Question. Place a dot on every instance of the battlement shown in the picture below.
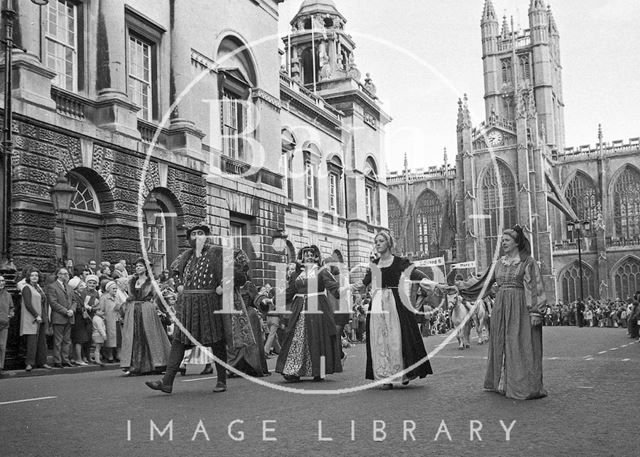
(420, 174)
(615, 146)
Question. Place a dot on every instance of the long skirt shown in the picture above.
(311, 346)
(145, 345)
(515, 349)
(250, 358)
(394, 342)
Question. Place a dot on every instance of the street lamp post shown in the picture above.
(61, 194)
(578, 226)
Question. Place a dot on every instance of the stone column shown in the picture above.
(114, 110)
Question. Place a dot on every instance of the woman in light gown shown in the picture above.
(514, 366)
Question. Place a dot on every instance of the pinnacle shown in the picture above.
(489, 13)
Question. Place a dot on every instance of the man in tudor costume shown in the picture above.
(199, 271)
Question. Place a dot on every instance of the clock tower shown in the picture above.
(504, 164)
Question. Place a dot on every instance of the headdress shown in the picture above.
(199, 226)
(313, 248)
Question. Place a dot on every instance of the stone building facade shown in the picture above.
(514, 168)
(164, 114)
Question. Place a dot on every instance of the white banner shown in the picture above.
(435, 262)
(463, 265)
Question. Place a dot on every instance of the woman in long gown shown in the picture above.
(393, 337)
(311, 333)
(515, 341)
(145, 345)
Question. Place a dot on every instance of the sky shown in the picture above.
(425, 54)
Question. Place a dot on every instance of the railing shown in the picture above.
(148, 130)
(318, 101)
(70, 104)
(233, 166)
(622, 242)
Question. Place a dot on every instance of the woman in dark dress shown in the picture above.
(393, 337)
(311, 333)
(145, 345)
(246, 353)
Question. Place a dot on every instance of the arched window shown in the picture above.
(626, 204)
(428, 219)
(160, 238)
(627, 278)
(396, 222)
(85, 198)
(498, 200)
(336, 199)
(371, 194)
(581, 194)
(570, 282)
(236, 79)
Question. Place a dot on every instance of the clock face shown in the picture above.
(495, 138)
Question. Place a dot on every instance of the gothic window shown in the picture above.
(498, 200)
(396, 221)
(506, 70)
(627, 278)
(61, 42)
(428, 218)
(626, 204)
(85, 198)
(581, 194)
(570, 283)
(525, 68)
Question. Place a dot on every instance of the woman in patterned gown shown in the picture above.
(514, 366)
(145, 345)
(311, 347)
(393, 337)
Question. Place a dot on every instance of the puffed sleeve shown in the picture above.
(534, 294)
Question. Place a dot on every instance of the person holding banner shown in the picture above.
(312, 346)
(393, 338)
(515, 342)
(198, 273)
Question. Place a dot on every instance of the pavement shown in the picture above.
(592, 375)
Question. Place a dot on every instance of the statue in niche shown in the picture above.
(340, 63)
(598, 224)
(325, 66)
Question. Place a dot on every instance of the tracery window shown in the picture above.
(396, 222)
(626, 204)
(506, 71)
(498, 199)
(582, 196)
(570, 283)
(428, 217)
(627, 278)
